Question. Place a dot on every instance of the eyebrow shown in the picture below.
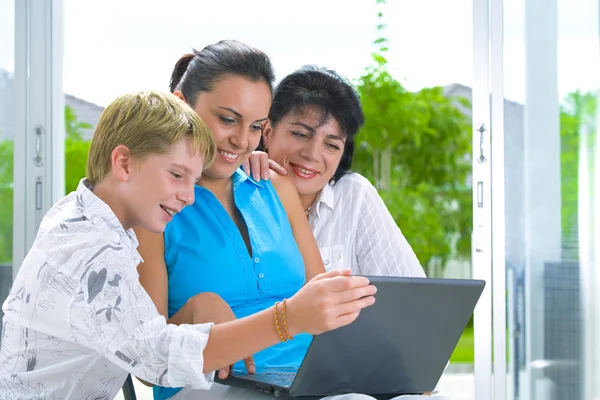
(313, 131)
(182, 167)
(237, 114)
(186, 170)
(231, 110)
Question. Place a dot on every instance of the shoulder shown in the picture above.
(355, 196)
(65, 218)
(283, 185)
(69, 257)
(354, 180)
(352, 187)
(73, 235)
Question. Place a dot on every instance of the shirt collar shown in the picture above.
(239, 176)
(326, 197)
(99, 213)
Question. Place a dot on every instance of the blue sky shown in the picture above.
(116, 46)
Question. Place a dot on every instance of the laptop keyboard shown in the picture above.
(284, 379)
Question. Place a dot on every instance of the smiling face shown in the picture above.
(235, 110)
(160, 185)
(309, 148)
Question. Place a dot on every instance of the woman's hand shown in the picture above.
(328, 301)
(258, 164)
(210, 307)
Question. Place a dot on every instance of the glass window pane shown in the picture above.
(552, 59)
(6, 144)
(429, 57)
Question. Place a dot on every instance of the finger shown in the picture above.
(264, 166)
(331, 274)
(250, 367)
(354, 306)
(246, 167)
(255, 165)
(277, 168)
(342, 283)
(346, 319)
(355, 293)
(223, 373)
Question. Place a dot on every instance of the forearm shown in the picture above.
(179, 356)
(158, 354)
(232, 341)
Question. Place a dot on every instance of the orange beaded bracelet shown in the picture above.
(285, 328)
(277, 322)
(284, 319)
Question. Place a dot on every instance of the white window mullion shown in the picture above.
(39, 118)
(481, 239)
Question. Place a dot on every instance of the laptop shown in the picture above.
(398, 346)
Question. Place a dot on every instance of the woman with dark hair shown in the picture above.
(242, 247)
(314, 118)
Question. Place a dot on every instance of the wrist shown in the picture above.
(293, 325)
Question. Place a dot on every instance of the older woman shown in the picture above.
(314, 118)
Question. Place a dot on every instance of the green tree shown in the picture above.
(76, 153)
(73, 126)
(415, 147)
(6, 200)
(577, 117)
(76, 149)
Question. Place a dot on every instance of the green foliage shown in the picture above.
(6, 200)
(415, 147)
(76, 153)
(463, 352)
(73, 127)
(577, 117)
(76, 149)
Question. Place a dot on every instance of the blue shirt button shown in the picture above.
(256, 260)
(261, 275)
(262, 292)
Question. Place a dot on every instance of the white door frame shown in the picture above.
(488, 244)
(498, 201)
(481, 239)
(39, 118)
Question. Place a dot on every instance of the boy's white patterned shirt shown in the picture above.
(77, 320)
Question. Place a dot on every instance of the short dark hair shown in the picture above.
(313, 88)
(201, 70)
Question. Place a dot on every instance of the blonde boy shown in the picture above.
(77, 320)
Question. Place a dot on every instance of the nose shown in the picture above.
(311, 151)
(240, 138)
(186, 195)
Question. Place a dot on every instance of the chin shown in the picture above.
(306, 190)
(222, 172)
(156, 228)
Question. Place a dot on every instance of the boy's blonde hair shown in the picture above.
(147, 122)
